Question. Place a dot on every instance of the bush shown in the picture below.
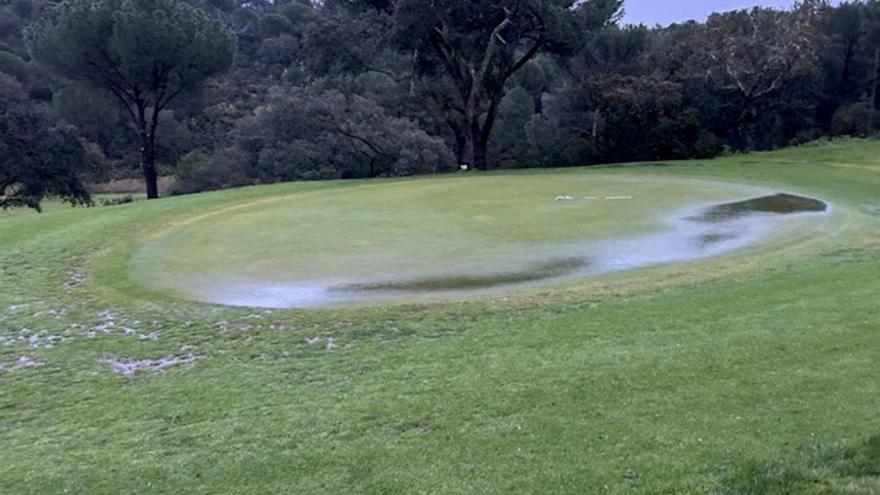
(14, 66)
(418, 153)
(121, 200)
(316, 136)
(280, 49)
(198, 171)
(856, 119)
(708, 145)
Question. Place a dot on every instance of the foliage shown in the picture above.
(477, 47)
(461, 73)
(856, 119)
(145, 52)
(38, 157)
(306, 136)
(118, 200)
(754, 53)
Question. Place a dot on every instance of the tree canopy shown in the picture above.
(38, 157)
(144, 52)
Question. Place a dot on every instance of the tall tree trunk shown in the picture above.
(467, 153)
(847, 65)
(471, 125)
(481, 138)
(148, 162)
(147, 132)
(876, 89)
(480, 155)
(460, 143)
(475, 154)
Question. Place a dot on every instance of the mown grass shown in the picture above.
(441, 229)
(754, 372)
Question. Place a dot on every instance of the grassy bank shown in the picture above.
(754, 372)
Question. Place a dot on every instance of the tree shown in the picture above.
(37, 157)
(304, 135)
(145, 52)
(753, 53)
(301, 132)
(872, 38)
(843, 27)
(843, 62)
(478, 46)
(613, 50)
(635, 118)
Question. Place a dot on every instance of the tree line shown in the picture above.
(222, 93)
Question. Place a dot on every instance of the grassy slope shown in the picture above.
(750, 373)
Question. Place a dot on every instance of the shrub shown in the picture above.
(198, 171)
(14, 66)
(856, 119)
(120, 200)
(316, 136)
(708, 145)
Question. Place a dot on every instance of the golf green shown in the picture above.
(450, 236)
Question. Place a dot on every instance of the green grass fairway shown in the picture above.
(752, 372)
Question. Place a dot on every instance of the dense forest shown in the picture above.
(366, 88)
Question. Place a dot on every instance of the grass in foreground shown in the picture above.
(750, 373)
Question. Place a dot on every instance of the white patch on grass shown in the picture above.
(21, 362)
(329, 343)
(76, 278)
(149, 336)
(129, 368)
(106, 323)
(34, 340)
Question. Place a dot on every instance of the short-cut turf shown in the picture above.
(464, 228)
(753, 372)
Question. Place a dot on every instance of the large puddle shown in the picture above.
(695, 232)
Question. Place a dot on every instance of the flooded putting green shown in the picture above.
(452, 237)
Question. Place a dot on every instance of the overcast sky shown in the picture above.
(667, 11)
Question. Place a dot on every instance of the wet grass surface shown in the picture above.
(445, 234)
(750, 373)
(458, 235)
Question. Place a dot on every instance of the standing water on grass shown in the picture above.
(700, 232)
(697, 232)
(450, 239)
(694, 233)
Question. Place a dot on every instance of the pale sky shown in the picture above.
(665, 12)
